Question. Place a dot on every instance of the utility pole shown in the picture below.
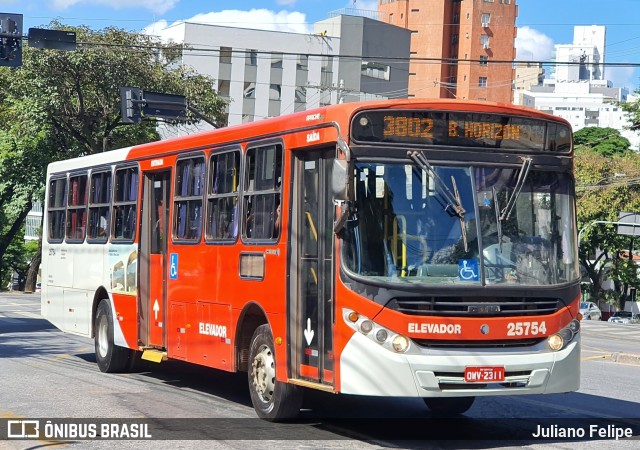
(340, 89)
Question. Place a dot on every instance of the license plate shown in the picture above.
(483, 374)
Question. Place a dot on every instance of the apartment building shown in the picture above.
(579, 92)
(271, 73)
(459, 49)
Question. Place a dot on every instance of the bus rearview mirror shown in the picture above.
(339, 180)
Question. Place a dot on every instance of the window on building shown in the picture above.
(303, 62)
(455, 18)
(485, 19)
(484, 40)
(262, 189)
(482, 82)
(223, 88)
(252, 57)
(454, 38)
(276, 60)
(225, 55)
(99, 207)
(249, 90)
(125, 204)
(187, 199)
(222, 196)
(77, 208)
(484, 60)
(505, 2)
(301, 94)
(376, 70)
(488, 1)
(275, 91)
(56, 209)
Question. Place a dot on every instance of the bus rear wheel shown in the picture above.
(110, 357)
(272, 399)
(449, 405)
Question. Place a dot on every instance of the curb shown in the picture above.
(626, 358)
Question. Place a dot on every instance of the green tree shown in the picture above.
(633, 113)
(606, 186)
(61, 105)
(606, 141)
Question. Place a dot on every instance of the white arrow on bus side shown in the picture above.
(156, 308)
(308, 332)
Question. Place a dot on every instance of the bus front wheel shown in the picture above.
(110, 357)
(449, 405)
(272, 399)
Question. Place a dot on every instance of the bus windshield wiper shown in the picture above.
(522, 177)
(496, 207)
(454, 204)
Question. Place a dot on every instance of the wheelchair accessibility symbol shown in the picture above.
(468, 269)
(173, 266)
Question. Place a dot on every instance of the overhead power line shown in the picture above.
(410, 59)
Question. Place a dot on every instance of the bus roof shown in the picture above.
(339, 114)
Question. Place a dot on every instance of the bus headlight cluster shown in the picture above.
(563, 337)
(377, 333)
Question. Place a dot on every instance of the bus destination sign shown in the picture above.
(456, 129)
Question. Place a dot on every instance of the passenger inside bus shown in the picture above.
(276, 222)
(102, 228)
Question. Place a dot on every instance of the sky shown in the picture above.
(541, 23)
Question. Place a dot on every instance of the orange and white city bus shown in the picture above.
(405, 248)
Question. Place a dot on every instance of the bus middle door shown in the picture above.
(154, 264)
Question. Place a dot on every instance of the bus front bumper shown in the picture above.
(369, 369)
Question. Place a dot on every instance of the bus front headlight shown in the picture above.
(562, 338)
(377, 333)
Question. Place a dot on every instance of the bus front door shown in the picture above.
(312, 289)
(153, 260)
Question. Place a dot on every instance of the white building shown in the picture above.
(586, 53)
(33, 222)
(271, 73)
(578, 91)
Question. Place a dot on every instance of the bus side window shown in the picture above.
(99, 207)
(56, 209)
(125, 203)
(77, 208)
(188, 192)
(262, 190)
(222, 196)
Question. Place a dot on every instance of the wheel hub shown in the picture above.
(102, 336)
(263, 373)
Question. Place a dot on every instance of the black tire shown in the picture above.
(448, 406)
(272, 399)
(110, 357)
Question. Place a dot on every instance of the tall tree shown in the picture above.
(61, 105)
(606, 141)
(606, 186)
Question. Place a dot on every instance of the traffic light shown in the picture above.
(10, 40)
(130, 104)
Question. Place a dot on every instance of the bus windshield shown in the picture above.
(447, 225)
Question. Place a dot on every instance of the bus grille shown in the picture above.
(475, 307)
(427, 343)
